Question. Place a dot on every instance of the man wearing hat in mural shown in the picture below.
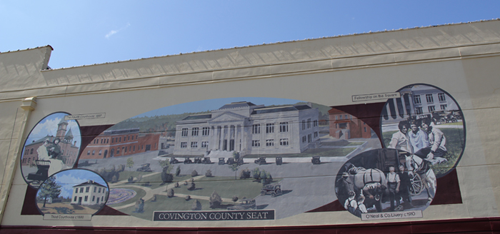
(393, 182)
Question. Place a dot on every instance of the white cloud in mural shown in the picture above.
(67, 182)
(47, 127)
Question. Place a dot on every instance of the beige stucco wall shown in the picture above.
(461, 59)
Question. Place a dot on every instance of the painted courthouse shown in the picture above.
(460, 64)
(89, 193)
(248, 129)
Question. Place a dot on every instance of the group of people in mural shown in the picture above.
(419, 137)
(51, 151)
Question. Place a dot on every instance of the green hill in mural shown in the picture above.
(151, 124)
(166, 123)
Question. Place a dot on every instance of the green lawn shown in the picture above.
(455, 142)
(226, 187)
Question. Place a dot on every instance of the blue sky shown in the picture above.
(89, 32)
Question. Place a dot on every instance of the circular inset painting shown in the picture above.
(385, 180)
(428, 122)
(52, 145)
(75, 191)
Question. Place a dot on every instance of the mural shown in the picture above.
(249, 158)
(73, 191)
(52, 145)
(425, 121)
(221, 155)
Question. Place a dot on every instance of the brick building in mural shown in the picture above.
(346, 126)
(115, 143)
(69, 150)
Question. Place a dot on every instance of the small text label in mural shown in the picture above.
(86, 116)
(79, 217)
(392, 215)
(374, 96)
(213, 215)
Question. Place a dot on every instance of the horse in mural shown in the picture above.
(371, 183)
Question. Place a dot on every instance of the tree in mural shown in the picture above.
(256, 174)
(50, 188)
(234, 167)
(164, 163)
(130, 163)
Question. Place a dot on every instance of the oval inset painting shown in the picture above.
(52, 145)
(428, 122)
(74, 191)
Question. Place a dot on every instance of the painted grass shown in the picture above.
(455, 143)
(226, 187)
